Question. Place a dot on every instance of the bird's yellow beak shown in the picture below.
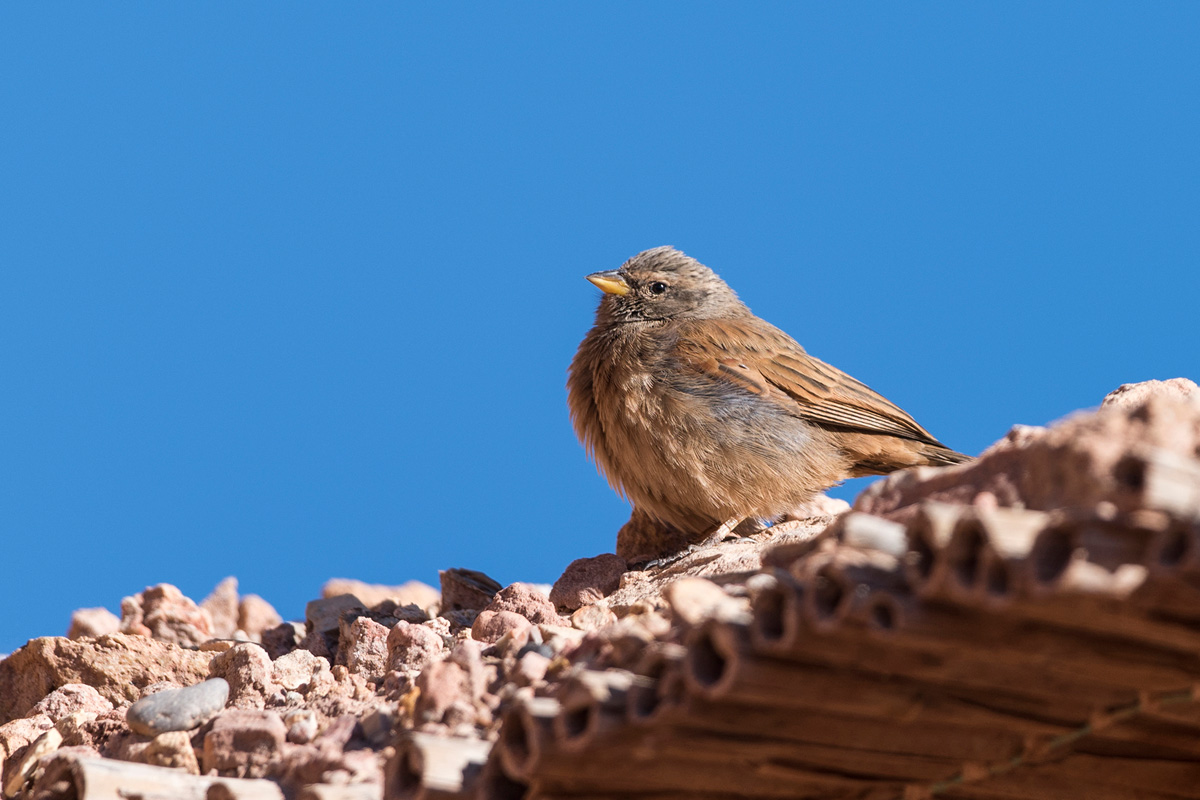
(610, 282)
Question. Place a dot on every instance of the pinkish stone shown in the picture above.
(491, 626)
(1129, 395)
(530, 669)
(93, 622)
(323, 618)
(593, 617)
(587, 580)
(116, 665)
(172, 749)
(372, 594)
(301, 725)
(256, 616)
(248, 669)
(17, 734)
(222, 606)
(820, 506)
(70, 698)
(98, 733)
(412, 647)
(301, 671)
(244, 744)
(163, 612)
(521, 598)
(283, 638)
(468, 654)
(466, 590)
(362, 647)
(441, 685)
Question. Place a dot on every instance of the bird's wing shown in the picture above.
(765, 361)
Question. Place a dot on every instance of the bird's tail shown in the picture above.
(939, 455)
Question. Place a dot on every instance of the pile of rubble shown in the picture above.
(1025, 625)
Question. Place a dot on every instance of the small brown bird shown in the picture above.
(702, 414)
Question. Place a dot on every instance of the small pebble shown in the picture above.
(178, 709)
(301, 725)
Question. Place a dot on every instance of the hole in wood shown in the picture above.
(403, 773)
(883, 613)
(769, 608)
(920, 553)
(498, 786)
(1175, 547)
(515, 736)
(996, 578)
(1130, 472)
(829, 593)
(1051, 554)
(644, 701)
(966, 551)
(575, 722)
(646, 696)
(706, 662)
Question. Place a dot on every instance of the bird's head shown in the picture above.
(662, 284)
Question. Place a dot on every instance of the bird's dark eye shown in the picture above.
(658, 287)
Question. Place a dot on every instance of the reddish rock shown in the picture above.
(248, 669)
(421, 595)
(324, 762)
(820, 506)
(521, 598)
(587, 580)
(301, 725)
(73, 726)
(1129, 395)
(468, 654)
(491, 626)
(340, 731)
(256, 616)
(323, 618)
(244, 744)
(16, 735)
(99, 733)
(466, 590)
(451, 691)
(378, 725)
(117, 666)
(362, 647)
(69, 699)
(171, 749)
(283, 638)
(93, 622)
(301, 671)
(692, 600)
(222, 607)
(441, 685)
(593, 617)
(412, 647)
(163, 612)
(530, 669)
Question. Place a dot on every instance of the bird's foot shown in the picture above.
(666, 561)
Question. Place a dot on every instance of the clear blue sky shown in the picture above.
(289, 290)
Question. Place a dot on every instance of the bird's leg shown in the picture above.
(726, 530)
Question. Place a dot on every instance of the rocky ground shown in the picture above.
(222, 698)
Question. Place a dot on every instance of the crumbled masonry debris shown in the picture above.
(1026, 625)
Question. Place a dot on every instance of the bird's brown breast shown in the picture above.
(690, 450)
